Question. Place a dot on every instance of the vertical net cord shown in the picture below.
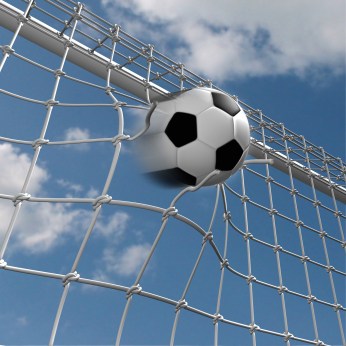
(104, 198)
(223, 265)
(277, 246)
(38, 144)
(8, 49)
(150, 59)
(337, 212)
(248, 253)
(298, 226)
(182, 302)
(135, 288)
(182, 76)
(324, 243)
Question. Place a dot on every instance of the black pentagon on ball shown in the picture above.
(173, 177)
(228, 155)
(182, 129)
(226, 103)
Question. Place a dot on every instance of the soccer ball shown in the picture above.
(193, 133)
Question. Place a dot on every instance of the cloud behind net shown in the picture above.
(231, 39)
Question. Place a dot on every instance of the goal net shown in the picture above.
(93, 252)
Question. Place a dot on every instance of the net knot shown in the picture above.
(59, 73)
(217, 318)
(305, 259)
(320, 343)
(269, 179)
(208, 237)
(227, 216)
(6, 49)
(182, 304)
(70, 277)
(336, 306)
(289, 163)
(114, 33)
(146, 84)
(311, 298)
(110, 66)
(250, 279)
(287, 336)
(294, 192)
(277, 248)
(136, 289)
(21, 18)
(39, 142)
(3, 264)
(248, 236)
(68, 44)
(330, 269)
(101, 200)
(337, 213)
(117, 139)
(20, 197)
(323, 234)
(171, 211)
(51, 102)
(253, 328)
(299, 223)
(118, 104)
(272, 212)
(77, 16)
(224, 263)
(245, 199)
(282, 289)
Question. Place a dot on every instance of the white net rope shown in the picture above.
(273, 242)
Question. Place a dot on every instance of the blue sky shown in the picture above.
(287, 60)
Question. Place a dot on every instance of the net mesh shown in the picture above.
(242, 261)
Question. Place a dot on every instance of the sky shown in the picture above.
(286, 59)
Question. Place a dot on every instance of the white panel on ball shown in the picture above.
(196, 158)
(194, 101)
(215, 127)
(241, 130)
(157, 152)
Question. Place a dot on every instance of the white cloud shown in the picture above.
(114, 227)
(231, 39)
(92, 193)
(70, 186)
(39, 227)
(126, 262)
(75, 134)
(14, 166)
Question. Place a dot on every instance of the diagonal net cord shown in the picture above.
(300, 234)
(251, 278)
(325, 248)
(268, 181)
(182, 303)
(8, 49)
(136, 288)
(39, 142)
(104, 198)
(218, 315)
